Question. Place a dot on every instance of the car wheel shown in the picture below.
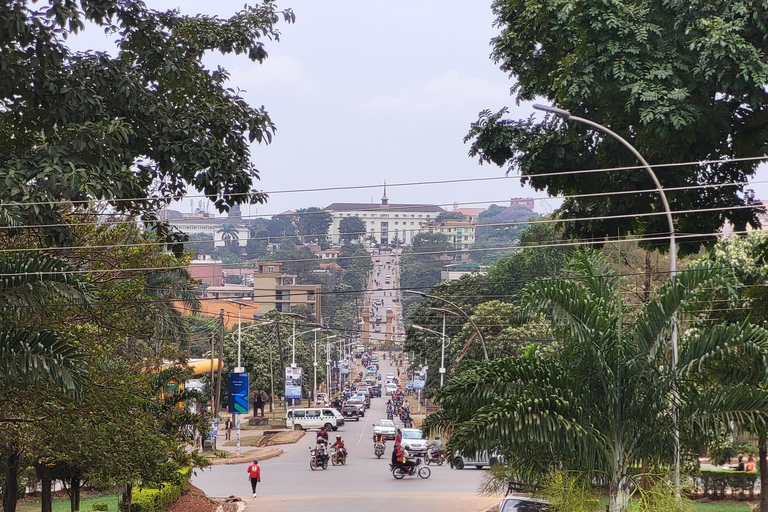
(458, 463)
(328, 427)
(297, 427)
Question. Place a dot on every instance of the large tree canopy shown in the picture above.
(148, 122)
(683, 81)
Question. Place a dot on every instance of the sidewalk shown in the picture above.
(248, 453)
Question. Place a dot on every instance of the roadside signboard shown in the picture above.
(238, 393)
(293, 383)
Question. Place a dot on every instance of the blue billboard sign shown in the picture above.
(238, 393)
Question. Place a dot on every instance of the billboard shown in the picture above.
(238, 393)
(293, 383)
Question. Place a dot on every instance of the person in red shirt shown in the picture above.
(254, 474)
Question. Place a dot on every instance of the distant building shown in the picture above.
(328, 254)
(461, 233)
(205, 223)
(275, 289)
(385, 222)
(471, 213)
(207, 271)
(456, 271)
(229, 291)
(524, 202)
(244, 309)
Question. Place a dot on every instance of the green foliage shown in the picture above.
(100, 506)
(715, 483)
(149, 122)
(681, 85)
(351, 229)
(571, 493)
(158, 499)
(455, 215)
(312, 223)
(600, 402)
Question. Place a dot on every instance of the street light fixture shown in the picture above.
(442, 351)
(463, 313)
(567, 116)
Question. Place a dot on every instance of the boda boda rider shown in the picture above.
(322, 436)
(339, 445)
(378, 438)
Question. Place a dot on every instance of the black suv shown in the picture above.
(350, 411)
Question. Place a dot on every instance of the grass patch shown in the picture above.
(245, 441)
(721, 507)
(62, 504)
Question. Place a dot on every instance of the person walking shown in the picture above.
(228, 429)
(254, 474)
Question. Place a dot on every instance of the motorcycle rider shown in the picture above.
(399, 459)
(322, 436)
(339, 445)
(434, 448)
(378, 438)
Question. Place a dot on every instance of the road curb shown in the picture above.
(275, 452)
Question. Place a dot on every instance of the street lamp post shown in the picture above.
(463, 313)
(564, 114)
(442, 352)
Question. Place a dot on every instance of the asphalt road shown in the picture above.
(364, 483)
(388, 292)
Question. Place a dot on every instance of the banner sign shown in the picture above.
(238, 393)
(293, 383)
(415, 384)
(214, 429)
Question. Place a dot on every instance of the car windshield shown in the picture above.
(385, 423)
(524, 506)
(411, 434)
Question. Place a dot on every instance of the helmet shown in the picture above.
(338, 438)
(255, 461)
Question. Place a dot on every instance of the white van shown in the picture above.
(306, 418)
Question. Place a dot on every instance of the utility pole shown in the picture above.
(217, 402)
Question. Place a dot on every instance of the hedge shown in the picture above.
(714, 482)
(156, 498)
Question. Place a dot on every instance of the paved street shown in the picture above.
(387, 290)
(365, 483)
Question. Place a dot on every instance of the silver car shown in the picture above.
(523, 504)
(386, 428)
(414, 442)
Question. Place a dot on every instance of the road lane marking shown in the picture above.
(360, 439)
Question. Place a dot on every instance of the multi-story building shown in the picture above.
(275, 289)
(202, 222)
(461, 233)
(385, 223)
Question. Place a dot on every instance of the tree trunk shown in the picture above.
(46, 504)
(11, 485)
(619, 495)
(763, 456)
(74, 493)
(127, 496)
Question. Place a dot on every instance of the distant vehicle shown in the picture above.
(358, 402)
(375, 391)
(389, 276)
(351, 411)
(390, 388)
(386, 428)
(390, 376)
(321, 399)
(414, 442)
(523, 504)
(480, 459)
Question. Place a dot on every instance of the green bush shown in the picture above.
(160, 497)
(715, 483)
(100, 506)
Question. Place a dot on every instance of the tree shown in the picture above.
(135, 129)
(230, 236)
(602, 402)
(351, 229)
(455, 215)
(681, 85)
(281, 227)
(312, 223)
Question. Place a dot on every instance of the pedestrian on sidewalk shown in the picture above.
(228, 429)
(254, 474)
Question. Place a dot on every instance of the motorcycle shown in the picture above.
(437, 457)
(338, 457)
(378, 450)
(417, 469)
(317, 460)
(407, 422)
(389, 415)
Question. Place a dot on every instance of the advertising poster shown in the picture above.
(238, 393)
(293, 383)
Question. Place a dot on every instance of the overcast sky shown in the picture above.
(364, 91)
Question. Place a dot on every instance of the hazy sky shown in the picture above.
(364, 91)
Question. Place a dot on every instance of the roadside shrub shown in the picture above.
(100, 506)
(715, 483)
(158, 497)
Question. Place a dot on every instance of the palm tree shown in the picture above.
(164, 287)
(229, 235)
(603, 402)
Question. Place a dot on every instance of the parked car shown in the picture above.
(375, 391)
(351, 411)
(480, 459)
(523, 504)
(387, 428)
(414, 442)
